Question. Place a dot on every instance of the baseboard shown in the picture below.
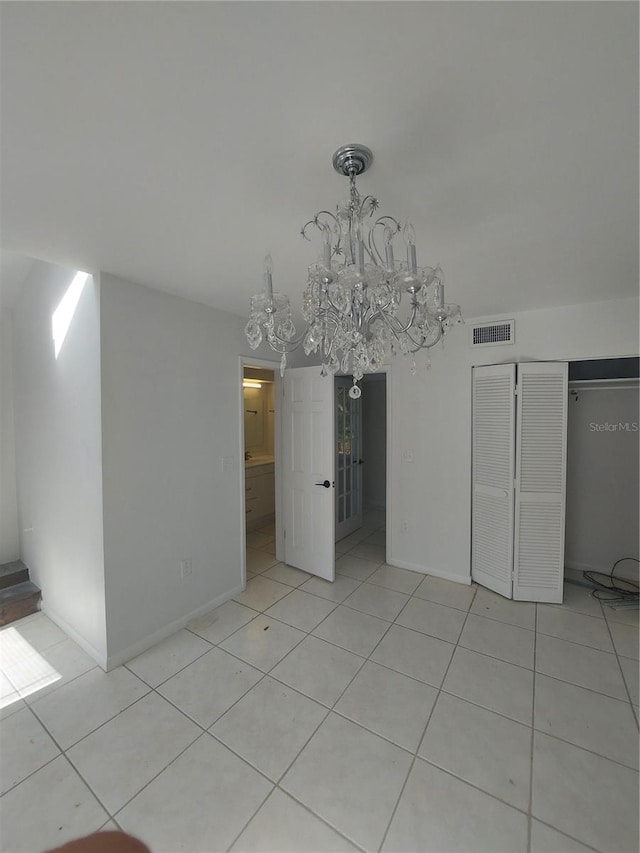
(624, 571)
(153, 639)
(436, 573)
(98, 656)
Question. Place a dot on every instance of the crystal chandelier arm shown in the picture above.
(422, 343)
(333, 225)
(280, 345)
(383, 222)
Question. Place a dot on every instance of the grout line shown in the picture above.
(331, 709)
(421, 739)
(532, 735)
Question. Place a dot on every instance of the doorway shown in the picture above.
(361, 464)
(259, 447)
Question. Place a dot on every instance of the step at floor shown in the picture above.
(13, 573)
(17, 601)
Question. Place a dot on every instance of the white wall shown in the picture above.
(431, 415)
(170, 414)
(58, 454)
(9, 538)
(602, 480)
(374, 441)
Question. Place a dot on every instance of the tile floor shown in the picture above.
(387, 711)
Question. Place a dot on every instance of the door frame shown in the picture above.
(247, 361)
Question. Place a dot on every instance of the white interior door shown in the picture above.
(348, 498)
(493, 466)
(541, 460)
(308, 485)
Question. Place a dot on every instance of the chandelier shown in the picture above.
(352, 302)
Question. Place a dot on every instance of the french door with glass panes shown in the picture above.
(349, 461)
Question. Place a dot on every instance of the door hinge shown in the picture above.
(284, 534)
(515, 390)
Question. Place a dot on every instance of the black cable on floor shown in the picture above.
(610, 588)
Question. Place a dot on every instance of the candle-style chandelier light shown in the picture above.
(352, 300)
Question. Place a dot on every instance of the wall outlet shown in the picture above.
(404, 526)
(407, 456)
(185, 568)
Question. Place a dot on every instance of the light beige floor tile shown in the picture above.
(257, 539)
(284, 826)
(584, 718)
(286, 574)
(351, 778)
(25, 746)
(270, 548)
(259, 561)
(437, 620)
(222, 622)
(630, 672)
(208, 687)
(121, 757)
(450, 594)
(575, 627)
(389, 704)
(439, 813)
(77, 708)
(261, 593)
(263, 642)
(168, 657)
(585, 796)
(377, 601)
(46, 671)
(357, 632)
(355, 567)
(269, 726)
(414, 654)
(619, 613)
(378, 537)
(318, 669)
(499, 640)
(579, 598)
(48, 809)
(35, 633)
(375, 553)
(10, 700)
(199, 803)
(519, 613)
(544, 839)
(301, 610)
(579, 665)
(493, 684)
(625, 639)
(483, 748)
(336, 590)
(391, 577)
(355, 538)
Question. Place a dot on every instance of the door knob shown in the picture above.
(360, 461)
(324, 483)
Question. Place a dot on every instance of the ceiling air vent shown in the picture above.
(492, 334)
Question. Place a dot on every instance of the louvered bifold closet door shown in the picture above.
(541, 459)
(493, 462)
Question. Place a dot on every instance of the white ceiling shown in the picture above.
(174, 143)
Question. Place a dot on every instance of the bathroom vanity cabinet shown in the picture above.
(260, 504)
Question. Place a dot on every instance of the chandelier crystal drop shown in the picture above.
(352, 302)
